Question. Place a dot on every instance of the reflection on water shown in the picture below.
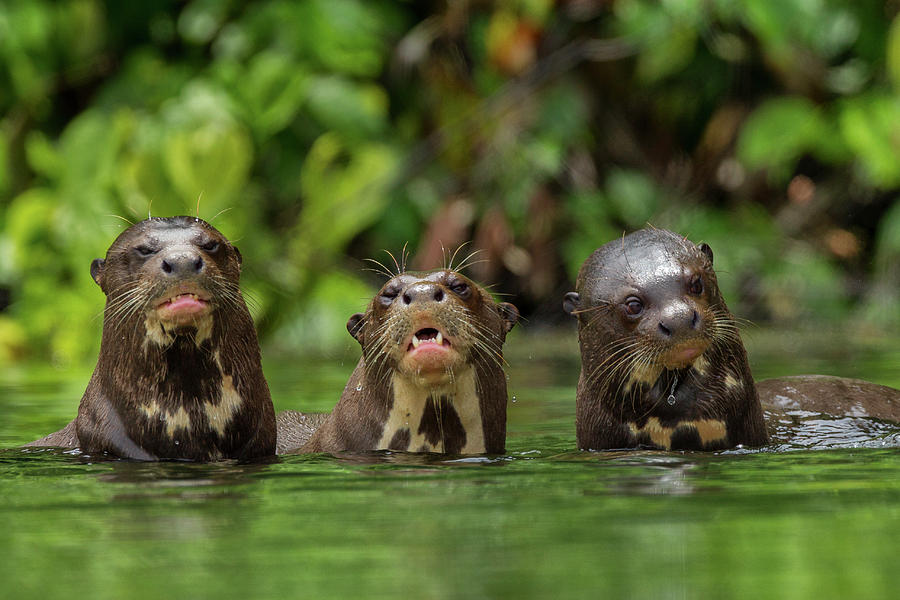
(541, 521)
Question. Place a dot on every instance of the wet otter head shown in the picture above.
(662, 359)
(171, 275)
(179, 372)
(430, 328)
(431, 374)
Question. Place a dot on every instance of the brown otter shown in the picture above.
(663, 364)
(821, 411)
(430, 378)
(179, 375)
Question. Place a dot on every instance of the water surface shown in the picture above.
(542, 521)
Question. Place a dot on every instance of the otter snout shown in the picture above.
(678, 318)
(182, 263)
(423, 291)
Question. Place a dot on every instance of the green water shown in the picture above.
(544, 521)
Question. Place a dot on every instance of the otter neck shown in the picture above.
(445, 418)
(665, 392)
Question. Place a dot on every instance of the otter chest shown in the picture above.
(181, 418)
(685, 435)
(445, 419)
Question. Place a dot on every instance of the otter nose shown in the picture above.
(185, 263)
(676, 318)
(423, 292)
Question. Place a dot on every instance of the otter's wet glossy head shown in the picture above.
(169, 272)
(653, 291)
(428, 326)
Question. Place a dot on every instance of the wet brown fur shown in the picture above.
(198, 394)
(625, 381)
(827, 395)
(359, 420)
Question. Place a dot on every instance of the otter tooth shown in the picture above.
(415, 341)
(439, 339)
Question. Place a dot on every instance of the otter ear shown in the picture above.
(705, 249)
(571, 302)
(355, 325)
(97, 270)
(510, 315)
(237, 253)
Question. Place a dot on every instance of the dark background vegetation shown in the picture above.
(317, 133)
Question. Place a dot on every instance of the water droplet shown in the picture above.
(513, 398)
(177, 442)
(359, 387)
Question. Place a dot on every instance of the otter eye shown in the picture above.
(145, 251)
(388, 295)
(460, 288)
(696, 286)
(633, 306)
(210, 246)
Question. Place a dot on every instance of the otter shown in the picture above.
(179, 374)
(663, 364)
(822, 411)
(430, 378)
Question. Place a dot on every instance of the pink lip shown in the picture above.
(688, 354)
(183, 305)
(429, 351)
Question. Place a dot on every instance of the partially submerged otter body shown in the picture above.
(821, 411)
(662, 360)
(430, 378)
(179, 374)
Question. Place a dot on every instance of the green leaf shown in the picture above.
(668, 55)
(893, 53)
(272, 88)
(778, 133)
(633, 196)
(344, 189)
(42, 156)
(870, 125)
(351, 108)
(346, 36)
(210, 161)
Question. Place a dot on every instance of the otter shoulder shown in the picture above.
(824, 394)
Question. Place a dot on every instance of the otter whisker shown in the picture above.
(448, 265)
(122, 218)
(382, 270)
(400, 269)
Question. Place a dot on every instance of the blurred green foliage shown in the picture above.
(316, 133)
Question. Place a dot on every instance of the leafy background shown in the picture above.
(321, 132)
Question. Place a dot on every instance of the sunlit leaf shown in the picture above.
(778, 133)
(211, 161)
(870, 126)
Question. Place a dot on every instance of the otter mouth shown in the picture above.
(426, 337)
(684, 354)
(182, 306)
(429, 354)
